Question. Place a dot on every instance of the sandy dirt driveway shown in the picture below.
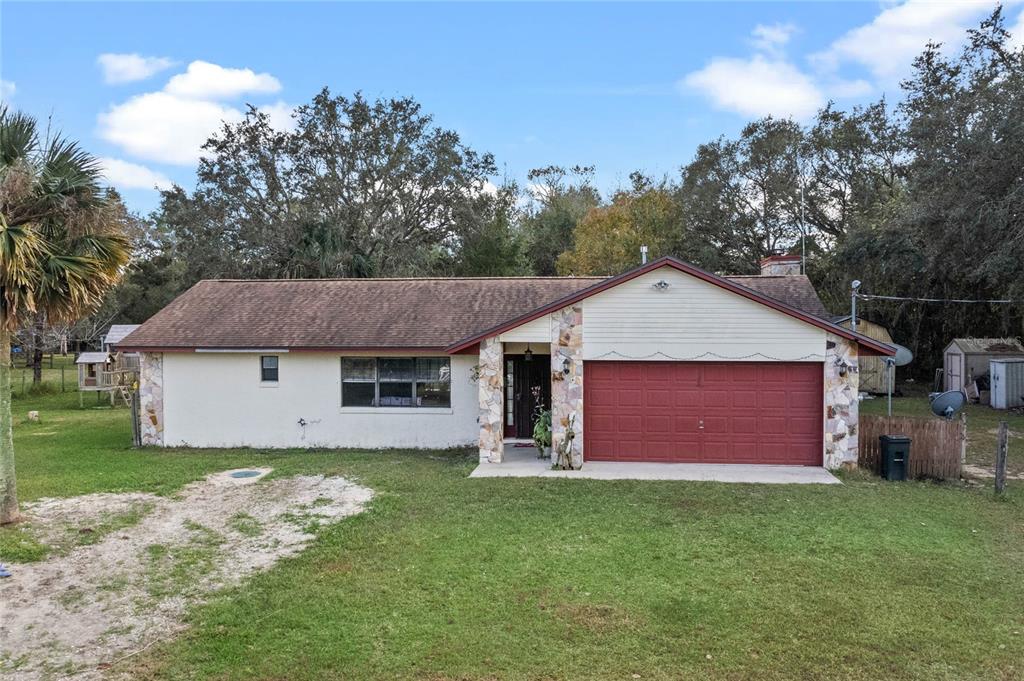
(81, 611)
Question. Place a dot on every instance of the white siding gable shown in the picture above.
(691, 319)
(536, 331)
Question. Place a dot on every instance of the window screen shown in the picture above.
(268, 368)
(396, 382)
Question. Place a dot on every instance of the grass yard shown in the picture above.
(450, 578)
(60, 374)
(982, 428)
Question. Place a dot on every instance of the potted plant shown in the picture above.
(542, 432)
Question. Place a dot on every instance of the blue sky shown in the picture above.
(619, 86)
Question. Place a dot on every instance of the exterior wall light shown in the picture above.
(566, 366)
(660, 285)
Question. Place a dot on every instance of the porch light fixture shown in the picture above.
(528, 354)
(566, 365)
(660, 285)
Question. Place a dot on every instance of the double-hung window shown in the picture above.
(268, 368)
(396, 382)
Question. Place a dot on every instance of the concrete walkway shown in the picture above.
(523, 463)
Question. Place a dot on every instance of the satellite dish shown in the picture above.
(948, 403)
(903, 355)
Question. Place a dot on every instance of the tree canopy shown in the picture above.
(920, 196)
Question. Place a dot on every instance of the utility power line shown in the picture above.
(865, 296)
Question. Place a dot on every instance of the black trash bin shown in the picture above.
(895, 451)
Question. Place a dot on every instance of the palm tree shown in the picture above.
(60, 249)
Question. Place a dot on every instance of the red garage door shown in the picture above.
(706, 412)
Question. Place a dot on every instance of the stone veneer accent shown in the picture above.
(492, 401)
(567, 389)
(151, 398)
(841, 404)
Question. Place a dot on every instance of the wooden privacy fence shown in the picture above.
(936, 448)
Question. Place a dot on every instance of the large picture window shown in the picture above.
(396, 382)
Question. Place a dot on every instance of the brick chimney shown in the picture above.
(776, 265)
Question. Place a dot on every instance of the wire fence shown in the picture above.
(59, 375)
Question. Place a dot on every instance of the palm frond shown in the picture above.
(61, 248)
(19, 138)
(21, 250)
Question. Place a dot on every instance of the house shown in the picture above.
(874, 374)
(966, 359)
(666, 362)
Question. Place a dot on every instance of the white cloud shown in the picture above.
(771, 38)
(758, 86)
(125, 175)
(171, 126)
(127, 68)
(887, 45)
(7, 89)
(1017, 33)
(162, 127)
(203, 80)
(280, 115)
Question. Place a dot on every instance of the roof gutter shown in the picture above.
(279, 349)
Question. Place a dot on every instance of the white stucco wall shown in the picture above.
(691, 320)
(217, 400)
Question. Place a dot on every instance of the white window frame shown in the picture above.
(376, 381)
(270, 382)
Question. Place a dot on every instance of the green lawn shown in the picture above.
(450, 578)
(59, 373)
(982, 428)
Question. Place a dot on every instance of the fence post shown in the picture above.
(62, 378)
(963, 438)
(1001, 450)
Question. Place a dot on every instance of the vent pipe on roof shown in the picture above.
(643, 254)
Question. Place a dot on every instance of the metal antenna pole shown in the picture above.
(854, 285)
(890, 364)
(803, 228)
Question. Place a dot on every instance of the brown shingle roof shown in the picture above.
(793, 289)
(344, 313)
(374, 313)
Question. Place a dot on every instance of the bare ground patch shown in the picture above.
(973, 471)
(93, 602)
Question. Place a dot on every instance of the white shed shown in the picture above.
(1007, 383)
(965, 359)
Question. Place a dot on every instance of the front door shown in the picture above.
(527, 386)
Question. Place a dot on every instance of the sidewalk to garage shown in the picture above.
(523, 463)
